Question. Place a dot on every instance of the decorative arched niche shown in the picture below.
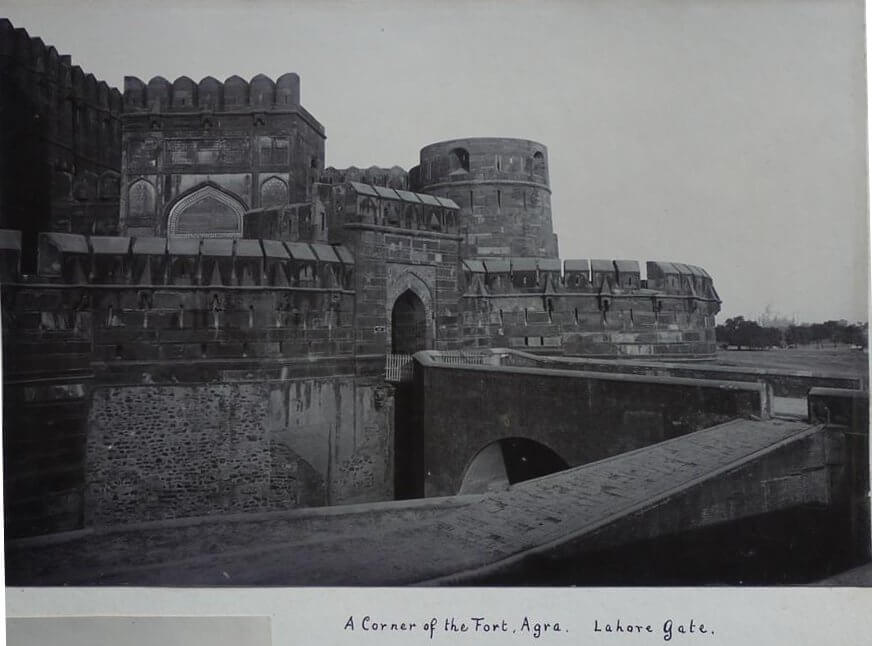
(206, 212)
(273, 192)
(141, 200)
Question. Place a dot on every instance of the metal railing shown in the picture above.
(398, 368)
(459, 357)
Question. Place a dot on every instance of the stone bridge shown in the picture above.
(466, 427)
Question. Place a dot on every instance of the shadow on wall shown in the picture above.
(507, 462)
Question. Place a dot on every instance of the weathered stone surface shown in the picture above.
(502, 187)
(198, 266)
(158, 452)
(63, 130)
(707, 476)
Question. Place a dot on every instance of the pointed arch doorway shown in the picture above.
(409, 329)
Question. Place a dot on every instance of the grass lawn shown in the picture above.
(841, 360)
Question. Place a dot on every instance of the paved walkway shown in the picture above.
(385, 549)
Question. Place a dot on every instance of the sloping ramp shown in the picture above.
(711, 476)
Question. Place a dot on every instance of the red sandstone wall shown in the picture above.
(253, 141)
(61, 144)
(502, 188)
(127, 374)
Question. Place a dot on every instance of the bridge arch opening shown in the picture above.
(507, 462)
(408, 324)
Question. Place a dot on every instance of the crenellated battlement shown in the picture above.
(30, 55)
(235, 94)
(394, 177)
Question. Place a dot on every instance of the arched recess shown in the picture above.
(140, 200)
(539, 164)
(508, 461)
(273, 192)
(458, 161)
(207, 211)
(410, 282)
(408, 324)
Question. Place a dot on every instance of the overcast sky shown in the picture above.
(729, 134)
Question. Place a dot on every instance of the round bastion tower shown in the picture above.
(502, 188)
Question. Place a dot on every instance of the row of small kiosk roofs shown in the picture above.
(670, 277)
(56, 250)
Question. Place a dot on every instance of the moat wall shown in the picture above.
(151, 381)
(220, 448)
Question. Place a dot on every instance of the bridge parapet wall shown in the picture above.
(581, 416)
(783, 383)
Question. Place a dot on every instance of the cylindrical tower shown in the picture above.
(502, 188)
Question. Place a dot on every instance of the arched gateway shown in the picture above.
(408, 324)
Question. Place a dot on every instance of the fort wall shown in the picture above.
(61, 146)
(228, 365)
(588, 307)
(402, 242)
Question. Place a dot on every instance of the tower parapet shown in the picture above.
(502, 188)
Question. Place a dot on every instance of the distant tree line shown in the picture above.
(750, 334)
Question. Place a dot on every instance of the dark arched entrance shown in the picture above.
(509, 461)
(408, 324)
(409, 334)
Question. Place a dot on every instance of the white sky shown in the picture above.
(727, 134)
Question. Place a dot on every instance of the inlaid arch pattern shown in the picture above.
(206, 212)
